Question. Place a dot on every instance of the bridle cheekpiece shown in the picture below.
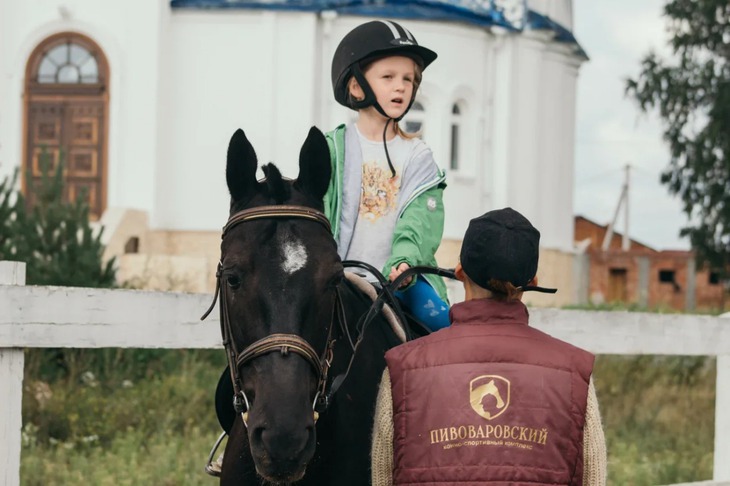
(283, 343)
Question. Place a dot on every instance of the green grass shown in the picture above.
(144, 417)
(119, 417)
(634, 307)
(164, 457)
(658, 417)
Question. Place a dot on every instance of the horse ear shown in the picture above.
(315, 167)
(241, 167)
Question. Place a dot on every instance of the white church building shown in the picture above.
(140, 98)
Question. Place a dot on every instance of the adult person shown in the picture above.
(490, 400)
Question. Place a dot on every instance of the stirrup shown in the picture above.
(213, 467)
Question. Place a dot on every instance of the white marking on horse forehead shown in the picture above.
(294, 255)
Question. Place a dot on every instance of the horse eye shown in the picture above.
(233, 281)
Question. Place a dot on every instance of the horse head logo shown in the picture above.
(489, 395)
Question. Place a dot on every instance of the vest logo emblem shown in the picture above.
(489, 395)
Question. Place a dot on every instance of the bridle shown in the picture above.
(285, 343)
(281, 342)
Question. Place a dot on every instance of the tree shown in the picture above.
(8, 215)
(53, 236)
(692, 96)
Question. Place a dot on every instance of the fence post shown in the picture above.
(11, 382)
(722, 419)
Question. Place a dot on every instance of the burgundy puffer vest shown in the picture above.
(489, 400)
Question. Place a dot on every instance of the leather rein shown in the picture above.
(283, 343)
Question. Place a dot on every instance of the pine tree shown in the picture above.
(8, 215)
(53, 236)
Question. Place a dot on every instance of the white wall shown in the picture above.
(555, 161)
(183, 81)
(226, 70)
(127, 32)
(461, 73)
(534, 133)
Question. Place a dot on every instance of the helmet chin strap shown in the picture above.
(385, 146)
(371, 100)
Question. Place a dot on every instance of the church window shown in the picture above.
(68, 63)
(456, 135)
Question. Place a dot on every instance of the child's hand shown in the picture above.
(394, 272)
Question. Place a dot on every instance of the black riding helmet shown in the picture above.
(366, 43)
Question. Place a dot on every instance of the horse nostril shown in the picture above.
(257, 435)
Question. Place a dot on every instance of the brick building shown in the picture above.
(642, 275)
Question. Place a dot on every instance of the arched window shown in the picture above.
(456, 144)
(66, 106)
(68, 63)
(414, 120)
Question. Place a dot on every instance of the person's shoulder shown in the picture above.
(416, 344)
(416, 143)
(418, 150)
(564, 345)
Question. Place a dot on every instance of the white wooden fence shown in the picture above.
(38, 317)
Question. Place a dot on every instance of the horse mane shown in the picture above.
(278, 189)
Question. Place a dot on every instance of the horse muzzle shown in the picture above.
(281, 455)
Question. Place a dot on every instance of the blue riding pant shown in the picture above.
(424, 303)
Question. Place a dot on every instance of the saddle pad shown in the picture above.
(368, 289)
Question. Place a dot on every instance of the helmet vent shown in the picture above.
(395, 29)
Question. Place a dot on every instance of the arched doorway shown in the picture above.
(66, 108)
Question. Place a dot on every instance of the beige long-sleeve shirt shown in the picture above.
(594, 442)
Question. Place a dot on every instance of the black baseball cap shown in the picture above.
(502, 245)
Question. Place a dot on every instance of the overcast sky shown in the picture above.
(610, 129)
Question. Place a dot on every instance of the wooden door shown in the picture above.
(66, 113)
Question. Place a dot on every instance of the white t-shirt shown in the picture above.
(379, 196)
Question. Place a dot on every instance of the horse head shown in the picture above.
(278, 280)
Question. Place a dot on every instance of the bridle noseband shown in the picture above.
(283, 343)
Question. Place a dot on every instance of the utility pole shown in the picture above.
(622, 200)
(626, 242)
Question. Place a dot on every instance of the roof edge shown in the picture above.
(405, 9)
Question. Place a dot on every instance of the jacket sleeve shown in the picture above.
(382, 444)
(594, 443)
(330, 197)
(333, 197)
(418, 231)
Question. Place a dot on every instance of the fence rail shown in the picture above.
(39, 317)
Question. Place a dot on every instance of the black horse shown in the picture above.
(291, 324)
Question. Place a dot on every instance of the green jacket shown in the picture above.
(419, 226)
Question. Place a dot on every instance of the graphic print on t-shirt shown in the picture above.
(379, 191)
